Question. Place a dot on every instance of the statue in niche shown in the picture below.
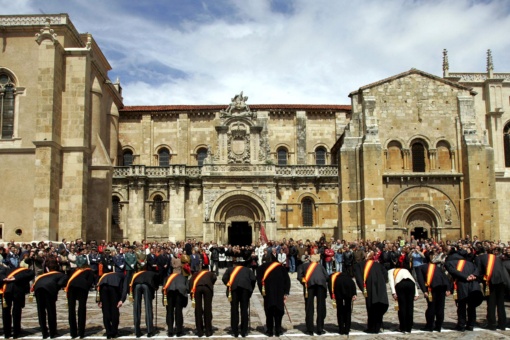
(206, 210)
(273, 208)
(447, 211)
(395, 212)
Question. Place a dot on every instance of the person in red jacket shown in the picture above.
(329, 254)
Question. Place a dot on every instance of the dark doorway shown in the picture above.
(239, 234)
(419, 233)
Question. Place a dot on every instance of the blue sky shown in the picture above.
(279, 51)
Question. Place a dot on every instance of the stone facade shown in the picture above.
(414, 154)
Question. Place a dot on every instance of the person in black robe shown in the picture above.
(276, 288)
(496, 288)
(112, 293)
(45, 288)
(203, 296)
(15, 284)
(377, 297)
(240, 292)
(77, 289)
(469, 295)
(440, 288)
(175, 290)
(344, 294)
(144, 284)
(314, 289)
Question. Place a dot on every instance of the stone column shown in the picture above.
(136, 213)
(177, 220)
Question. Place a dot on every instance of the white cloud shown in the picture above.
(316, 53)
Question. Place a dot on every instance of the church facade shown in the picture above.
(413, 154)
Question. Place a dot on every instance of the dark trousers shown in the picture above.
(375, 313)
(80, 295)
(176, 302)
(435, 309)
(142, 290)
(203, 310)
(343, 314)
(46, 305)
(405, 296)
(318, 293)
(496, 301)
(110, 297)
(274, 318)
(466, 307)
(11, 315)
(240, 299)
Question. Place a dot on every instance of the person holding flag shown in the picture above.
(77, 289)
(314, 279)
(435, 287)
(15, 284)
(143, 284)
(240, 282)
(201, 287)
(175, 298)
(370, 277)
(111, 293)
(496, 280)
(273, 282)
(405, 292)
(342, 290)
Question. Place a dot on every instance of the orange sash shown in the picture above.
(19, 270)
(101, 279)
(460, 267)
(133, 280)
(269, 270)
(333, 279)
(75, 274)
(169, 282)
(430, 275)
(199, 276)
(233, 276)
(395, 273)
(368, 266)
(309, 273)
(41, 276)
(491, 260)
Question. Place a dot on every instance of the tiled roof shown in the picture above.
(224, 107)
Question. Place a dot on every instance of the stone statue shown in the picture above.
(395, 211)
(206, 210)
(272, 209)
(447, 211)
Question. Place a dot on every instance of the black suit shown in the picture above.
(177, 299)
(345, 289)
(438, 288)
(144, 284)
(203, 301)
(14, 298)
(241, 290)
(46, 290)
(78, 290)
(111, 290)
(317, 288)
(277, 286)
(498, 284)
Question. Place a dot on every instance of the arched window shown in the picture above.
(307, 212)
(444, 157)
(320, 156)
(164, 157)
(127, 158)
(158, 210)
(418, 155)
(7, 93)
(506, 140)
(201, 155)
(395, 160)
(115, 211)
(282, 155)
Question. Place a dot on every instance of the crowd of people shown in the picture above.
(470, 269)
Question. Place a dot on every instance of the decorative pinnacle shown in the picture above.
(490, 64)
(446, 65)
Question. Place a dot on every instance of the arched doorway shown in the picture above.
(422, 223)
(237, 219)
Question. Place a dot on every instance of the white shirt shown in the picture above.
(401, 275)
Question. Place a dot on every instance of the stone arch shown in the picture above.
(423, 219)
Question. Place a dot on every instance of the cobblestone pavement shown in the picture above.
(294, 329)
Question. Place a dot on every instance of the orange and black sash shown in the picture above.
(101, 279)
(75, 274)
(368, 266)
(133, 280)
(269, 270)
(41, 276)
(309, 273)
(169, 282)
(333, 279)
(430, 276)
(460, 268)
(199, 276)
(491, 261)
(233, 277)
(19, 270)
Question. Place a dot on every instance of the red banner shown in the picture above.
(263, 236)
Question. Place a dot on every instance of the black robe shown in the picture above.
(376, 282)
(277, 285)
